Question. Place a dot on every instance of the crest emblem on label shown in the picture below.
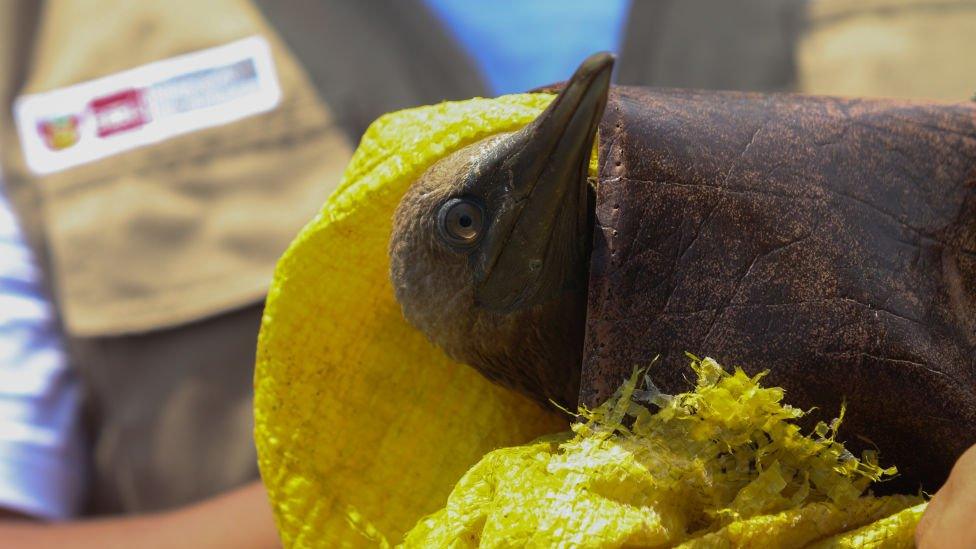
(70, 126)
(60, 132)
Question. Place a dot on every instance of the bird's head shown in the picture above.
(491, 239)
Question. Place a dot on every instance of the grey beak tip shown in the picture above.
(597, 62)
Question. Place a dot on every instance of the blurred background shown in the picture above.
(158, 156)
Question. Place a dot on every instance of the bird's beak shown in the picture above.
(538, 242)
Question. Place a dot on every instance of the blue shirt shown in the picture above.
(42, 452)
(523, 44)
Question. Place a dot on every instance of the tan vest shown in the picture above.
(871, 48)
(889, 48)
(159, 257)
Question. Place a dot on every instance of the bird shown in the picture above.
(489, 252)
(779, 233)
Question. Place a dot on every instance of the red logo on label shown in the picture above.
(59, 133)
(119, 112)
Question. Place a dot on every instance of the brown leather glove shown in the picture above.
(830, 241)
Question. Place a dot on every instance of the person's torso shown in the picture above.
(167, 154)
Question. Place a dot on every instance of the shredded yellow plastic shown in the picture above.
(363, 427)
(722, 466)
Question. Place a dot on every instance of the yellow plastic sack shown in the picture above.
(363, 428)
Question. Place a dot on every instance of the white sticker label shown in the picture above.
(148, 104)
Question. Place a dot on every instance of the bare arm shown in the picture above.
(241, 518)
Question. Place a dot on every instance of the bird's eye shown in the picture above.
(461, 221)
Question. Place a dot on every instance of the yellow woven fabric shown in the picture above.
(363, 427)
(722, 466)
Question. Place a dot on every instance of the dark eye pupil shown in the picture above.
(461, 221)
